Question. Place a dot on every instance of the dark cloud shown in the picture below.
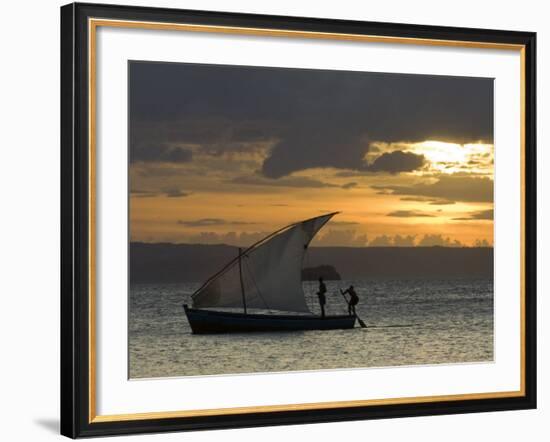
(162, 153)
(292, 181)
(412, 198)
(154, 170)
(448, 187)
(349, 173)
(212, 134)
(170, 193)
(209, 222)
(288, 181)
(431, 201)
(441, 203)
(397, 161)
(349, 185)
(175, 193)
(481, 215)
(143, 193)
(309, 147)
(312, 118)
(343, 223)
(242, 239)
(409, 214)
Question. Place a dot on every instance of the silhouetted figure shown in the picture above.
(322, 297)
(353, 300)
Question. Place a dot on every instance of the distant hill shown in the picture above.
(328, 273)
(165, 262)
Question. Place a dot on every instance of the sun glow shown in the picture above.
(451, 158)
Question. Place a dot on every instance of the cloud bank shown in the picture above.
(448, 187)
(309, 118)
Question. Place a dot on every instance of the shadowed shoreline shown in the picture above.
(174, 263)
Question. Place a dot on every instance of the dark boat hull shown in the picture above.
(209, 321)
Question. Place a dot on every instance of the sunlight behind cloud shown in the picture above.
(475, 158)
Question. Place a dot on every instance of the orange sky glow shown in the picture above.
(446, 202)
(226, 154)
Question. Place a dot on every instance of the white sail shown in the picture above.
(269, 274)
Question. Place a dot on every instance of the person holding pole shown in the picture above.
(353, 300)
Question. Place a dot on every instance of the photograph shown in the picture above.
(275, 220)
(291, 219)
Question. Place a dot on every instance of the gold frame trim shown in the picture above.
(93, 24)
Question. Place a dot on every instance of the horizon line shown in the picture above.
(321, 247)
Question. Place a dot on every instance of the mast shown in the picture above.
(241, 279)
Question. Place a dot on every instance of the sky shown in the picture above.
(228, 154)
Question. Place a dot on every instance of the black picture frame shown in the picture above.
(75, 221)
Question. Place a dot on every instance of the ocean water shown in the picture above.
(409, 322)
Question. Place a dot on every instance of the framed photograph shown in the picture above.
(279, 220)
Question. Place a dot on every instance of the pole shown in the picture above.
(361, 322)
(241, 278)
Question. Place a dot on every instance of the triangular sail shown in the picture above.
(270, 270)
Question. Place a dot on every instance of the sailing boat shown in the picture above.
(268, 276)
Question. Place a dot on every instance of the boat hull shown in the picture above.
(210, 321)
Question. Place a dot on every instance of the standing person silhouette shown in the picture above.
(353, 300)
(322, 295)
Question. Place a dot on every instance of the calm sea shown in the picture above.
(409, 322)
